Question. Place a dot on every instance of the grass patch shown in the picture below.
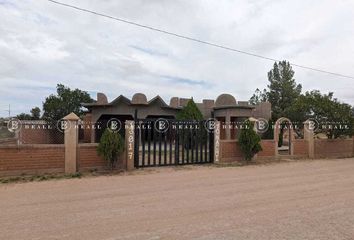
(38, 178)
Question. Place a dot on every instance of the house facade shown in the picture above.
(225, 109)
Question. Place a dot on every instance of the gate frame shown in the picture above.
(212, 150)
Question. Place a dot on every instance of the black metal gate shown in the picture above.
(162, 142)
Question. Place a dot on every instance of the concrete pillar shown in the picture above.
(228, 125)
(309, 137)
(129, 144)
(217, 142)
(276, 139)
(71, 138)
(93, 135)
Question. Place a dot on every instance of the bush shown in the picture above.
(269, 134)
(280, 141)
(191, 113)
(110, 147)
(249, 141)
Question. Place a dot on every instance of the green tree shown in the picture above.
(110, 147)
(258, 97)
(64, 102)
(335, 118)
(190, 112)
(24, 116)
(249, 141)
(35, 114)
(282, 90)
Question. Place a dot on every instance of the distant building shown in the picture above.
(225, 109)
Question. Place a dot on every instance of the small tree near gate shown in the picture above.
(110, 147)
(249, 141)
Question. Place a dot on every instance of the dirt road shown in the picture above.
(297, 200)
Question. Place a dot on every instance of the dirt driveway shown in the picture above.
(297, 200)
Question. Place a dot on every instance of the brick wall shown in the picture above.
(40, 136)
(88, 158)
(230, 151)
(327, 148)
(268, 147)
(324, 148)
(87, 119)
(300, 148)
(31, 159)
(48, 158)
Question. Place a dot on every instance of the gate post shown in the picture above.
(309, 136)
(71, 142)
(216, 141)
(129, 143)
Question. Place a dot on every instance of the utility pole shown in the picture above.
(9, 111)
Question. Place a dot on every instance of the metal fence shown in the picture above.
(178, 143)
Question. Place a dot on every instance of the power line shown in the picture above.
(197, 40)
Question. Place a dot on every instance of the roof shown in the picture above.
(235, 106)
(127, 101)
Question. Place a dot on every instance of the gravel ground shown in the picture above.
(295, 200)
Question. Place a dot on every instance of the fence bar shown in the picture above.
(142, 132)
(170, 144)
(154, 140)
(149, 143)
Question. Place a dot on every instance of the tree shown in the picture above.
(258, 97)
(64, 102)
(249, 141)
(282, 89)
(190, 112)
(24, 116)
(35, 114)
(110, 147)
(335, 118)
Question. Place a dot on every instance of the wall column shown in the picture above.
(129, 144)
(93, 135)
(216, 141)
(309, 137)
(71, 138)
(228, 125)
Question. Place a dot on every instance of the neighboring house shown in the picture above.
(225, 109)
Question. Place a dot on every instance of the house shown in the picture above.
(225, 109)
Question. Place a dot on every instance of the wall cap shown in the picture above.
(71, 116)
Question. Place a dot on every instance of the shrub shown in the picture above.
(249, 141)
(191, 113)
(110, 147)
(280, 141)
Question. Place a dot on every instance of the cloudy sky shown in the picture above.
(42, 44)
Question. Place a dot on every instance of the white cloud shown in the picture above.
(42, 44)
